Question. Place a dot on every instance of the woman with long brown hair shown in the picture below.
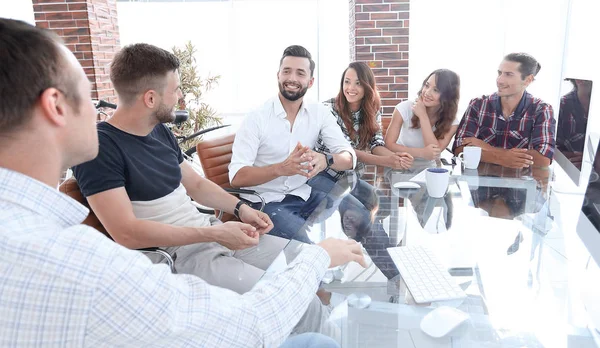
(424, 127)
(357, 110)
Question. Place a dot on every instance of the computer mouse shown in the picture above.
(440, 321)
(358, 300)
(406, 185)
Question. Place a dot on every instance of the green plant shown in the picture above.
(201, 115)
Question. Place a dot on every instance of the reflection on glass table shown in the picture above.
(572, 121)
(494, 246)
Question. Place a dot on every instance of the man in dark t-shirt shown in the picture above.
(138, 186)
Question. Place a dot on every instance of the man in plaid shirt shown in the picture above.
(513, 128)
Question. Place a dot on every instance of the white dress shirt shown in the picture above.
(63, 284)
(265, 138)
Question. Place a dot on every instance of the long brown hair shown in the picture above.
(448, 83)
(370, 105)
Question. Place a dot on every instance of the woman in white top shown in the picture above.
(424, 127)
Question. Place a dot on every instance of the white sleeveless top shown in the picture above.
(412, 137)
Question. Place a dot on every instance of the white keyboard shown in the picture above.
(425, 276)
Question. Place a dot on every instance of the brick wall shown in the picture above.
(90, 30)
(379, 36)
(379, 32)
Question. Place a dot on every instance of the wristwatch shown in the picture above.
(329, 159)
(236, 211)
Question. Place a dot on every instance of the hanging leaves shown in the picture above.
(201, 115)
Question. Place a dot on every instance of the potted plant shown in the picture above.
(201, 115)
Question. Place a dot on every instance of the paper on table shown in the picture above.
(419, 178)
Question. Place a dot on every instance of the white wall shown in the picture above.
(17, 9)
(471, 37)
(242, 40)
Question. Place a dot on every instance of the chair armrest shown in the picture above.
(203, 209)
(202, 131)
(162, 253)
(234, 191)
(248, 192)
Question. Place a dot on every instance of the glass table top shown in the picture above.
(504, 235)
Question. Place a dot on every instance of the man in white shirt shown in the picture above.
(272, 150)
(64, 284)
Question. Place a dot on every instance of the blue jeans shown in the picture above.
(309, 340)
(358, 212)
(289, 216)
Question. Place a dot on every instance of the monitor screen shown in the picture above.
(572, 126)
(591, 200)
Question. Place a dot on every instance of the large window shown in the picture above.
(471, 37)
(242, 40)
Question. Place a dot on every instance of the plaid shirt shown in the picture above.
(63, 284)
(376, 140)
(572, 124)
(530, 126)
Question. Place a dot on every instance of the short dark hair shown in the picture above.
(31, 61)
(529, 66)
(139, 67)
(298, 51)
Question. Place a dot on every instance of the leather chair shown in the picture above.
(71, 189)
(215, 156)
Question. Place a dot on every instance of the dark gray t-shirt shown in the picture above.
(147, 166)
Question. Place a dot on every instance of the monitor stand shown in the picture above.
(564, 183)
(589, 296)
(589, 283)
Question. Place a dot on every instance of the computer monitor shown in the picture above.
(572, 126)
(588, 227)
(588, 230)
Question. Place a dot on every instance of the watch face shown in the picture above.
(329, 160)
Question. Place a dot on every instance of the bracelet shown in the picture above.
(236, 210)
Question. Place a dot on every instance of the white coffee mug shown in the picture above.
(437, 181)
(470, 156)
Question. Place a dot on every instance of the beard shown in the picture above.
(165, 114)
(292, 96)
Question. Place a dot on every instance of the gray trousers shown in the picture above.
(235, 270)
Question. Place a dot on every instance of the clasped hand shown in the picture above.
(244, 234)
(302, 161)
